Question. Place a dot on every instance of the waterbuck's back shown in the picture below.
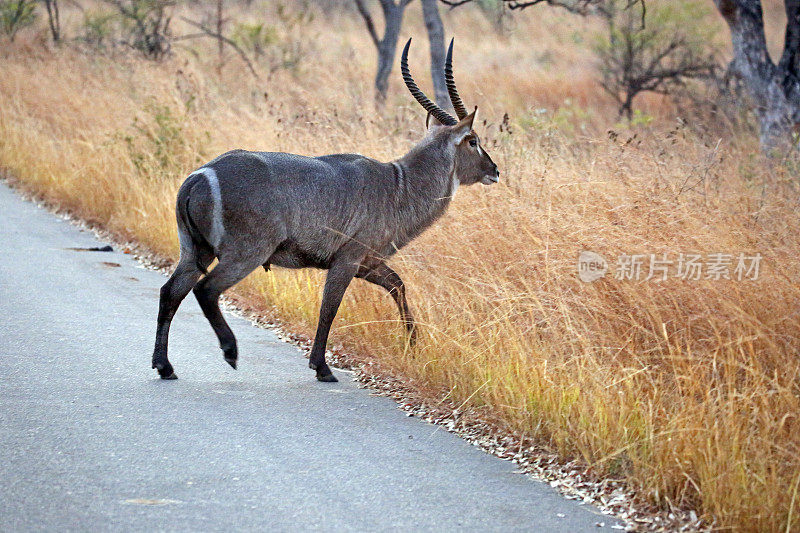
(243, 202)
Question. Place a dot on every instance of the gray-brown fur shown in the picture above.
(345, 213)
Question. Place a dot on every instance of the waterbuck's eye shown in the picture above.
(473, 142)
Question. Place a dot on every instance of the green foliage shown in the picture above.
(255, 38)
(291, 49)
(98, 27)
(146, 24)
(16, 15)
(637, 118)
(158, 145)
(641, 119)
(281, 46)
(292, 18)
(687, 19)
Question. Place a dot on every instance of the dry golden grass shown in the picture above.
(689, 390)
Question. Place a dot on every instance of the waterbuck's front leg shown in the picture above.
(381, 274)
(340, 274)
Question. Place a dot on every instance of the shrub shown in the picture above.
(16, 15)
(652, 50)
(98, 27)
(146, 23)
(255, 38)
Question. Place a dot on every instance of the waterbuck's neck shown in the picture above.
(426, 184)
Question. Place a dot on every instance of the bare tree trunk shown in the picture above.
(433, 23)
(775, 89)
(393, 15)
(386, 46)
(53, 19)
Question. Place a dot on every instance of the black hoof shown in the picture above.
(165, 370)
(324, 373)
(231, 354)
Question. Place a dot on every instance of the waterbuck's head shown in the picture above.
(471, 163)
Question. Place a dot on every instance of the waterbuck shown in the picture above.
(345, 213)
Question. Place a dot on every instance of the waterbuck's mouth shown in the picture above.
(489, 180)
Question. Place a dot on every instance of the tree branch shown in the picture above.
(362, 9)
(455, 3)
(580, 7)
(211, 33)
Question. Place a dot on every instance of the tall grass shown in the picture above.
(689, 390)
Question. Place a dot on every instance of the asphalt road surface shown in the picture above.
(90, 439)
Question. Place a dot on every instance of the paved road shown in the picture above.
(90, 439)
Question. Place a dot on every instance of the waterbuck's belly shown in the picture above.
(290, 255)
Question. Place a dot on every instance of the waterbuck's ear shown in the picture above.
(432, 122)
(462, 129)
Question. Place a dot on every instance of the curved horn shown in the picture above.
(458, 105)
(437, 112)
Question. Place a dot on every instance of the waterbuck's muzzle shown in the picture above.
(491, 179)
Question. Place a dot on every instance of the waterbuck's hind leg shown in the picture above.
(172, 294)
(382, 275)
(225, 275)
(340, 274)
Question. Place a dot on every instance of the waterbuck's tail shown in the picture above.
(198, 242)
